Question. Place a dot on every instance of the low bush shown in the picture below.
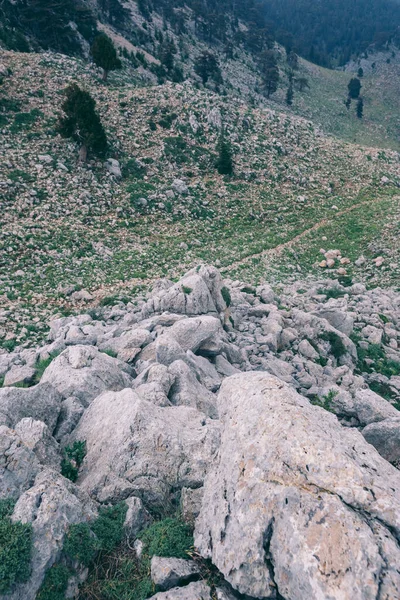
(338, 349)
(15, 548)
(55, 583)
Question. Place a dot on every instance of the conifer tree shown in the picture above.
(207, 67)
(360, 108)
(225, 160)
(289, 95)
(105, 55)
(354, 88)
(81, 122)
(270, 72)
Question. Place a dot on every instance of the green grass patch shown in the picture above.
(15, 548)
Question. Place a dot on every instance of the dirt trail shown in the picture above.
(278, 249)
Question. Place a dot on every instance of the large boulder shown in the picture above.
(385, 436)
(51, 506)
(84, 372)
(167, 573)
(41, 402)
(188, 391)
(201, 334)
(18, 465)
(137, 448)
(199, 292)
(295, 505)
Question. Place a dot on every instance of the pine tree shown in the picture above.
(289, 95)
(360, 108)
(348, 103)
(105, 55)
(354, 88)
(81, 122)
(269, 72)
(225, 161)
(360, 72)
(207, 66)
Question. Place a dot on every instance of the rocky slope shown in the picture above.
(73, 233)
(272, 421)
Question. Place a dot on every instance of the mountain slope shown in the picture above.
(69, 227)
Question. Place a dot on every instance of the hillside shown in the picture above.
(68, 227)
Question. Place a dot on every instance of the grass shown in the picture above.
(55, 583)
(337, 347)
(381, 364)
(15, 548)
(73, 459)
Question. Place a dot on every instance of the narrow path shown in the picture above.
(278, 249)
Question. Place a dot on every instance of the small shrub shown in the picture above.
(72, 460)
(55, 584)
(338, 349)
(169, 537)
(186, 290)
(381, 364)
(80, 544)
(332, 293)
(225, 293)
(108, 527)
(110, 353)
(15, 548)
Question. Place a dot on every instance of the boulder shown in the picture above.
(37, 437)
(295, 505)
(41, 402)
(51, 506)
(137, 517)
(188, 391)
(84, 372)
(167, 573)
(385, 437)
(137, 448)
(191, 503)
(339, 319)
(370, 407)
(198, 590)
(19, 375)
(71, 411)
(190, 296)
(18, 465)
(198, 334)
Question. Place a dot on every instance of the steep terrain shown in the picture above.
(266, 426)
(68, 227)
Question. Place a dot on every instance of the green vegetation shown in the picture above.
(186, 290)
(326, 401)
(55, 583)
(15, 548)
(225, 293)
(338, 349)
(73, 459)
(105, 55)
(169, 537)
(81, 544)
(381, 364)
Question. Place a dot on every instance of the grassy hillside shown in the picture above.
(68, 227)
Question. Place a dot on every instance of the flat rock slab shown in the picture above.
(194, 591)
(297, 506)
(167, 573)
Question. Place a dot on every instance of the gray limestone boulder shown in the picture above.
(84, 372)
(37, 437)
(19, 374)
(18, 465)
(198, 590)
(167, 573)
(339, 319)
(188, 391)
(137, 448)
(385, 437)
(295, 505)
(370, 407)
(51, 506)
(41, 402)
(198, 334)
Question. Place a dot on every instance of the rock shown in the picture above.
(372, 334)
(19, 374)
(113, 167)
(81, 296)
(71, 411)
(167, 573)
(167, 350)
(339, 319)
(132, 339)
(205, 371)
(369, 407)
(291, 490)
(180, 187)
(41, 402)
(18, 465)
(191, 503)
(137, 517)
(186, 390)
(200, 334)
(37, 437)
(190, 296)
(214, 118)
(307, 350)
(137, 448)
(84, 372)
(385, 437)
(51, 505)
(266, 294)
(194, 591)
